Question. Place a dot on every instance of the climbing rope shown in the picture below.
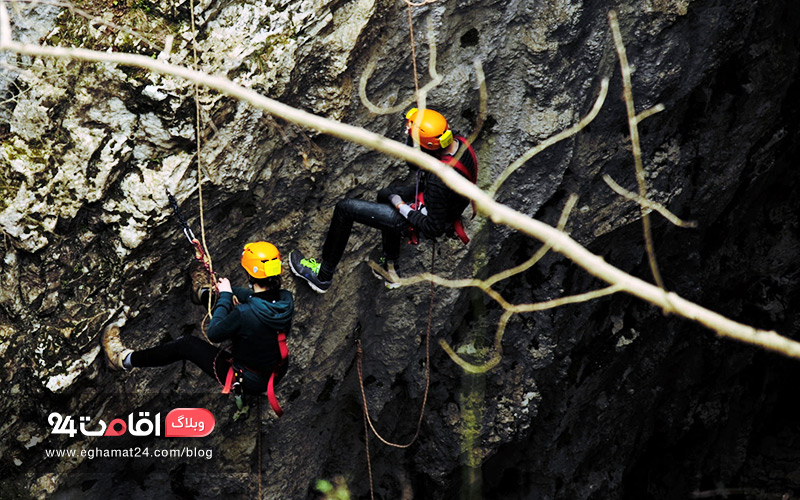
(198, 124)
(409, 9)
(413, 48)
(359, 351)
(366, 443)
(200, 255)
(359, 358)
(258, 414)
(202, 248)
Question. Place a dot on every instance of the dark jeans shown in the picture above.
(381, 216)
(206, 356)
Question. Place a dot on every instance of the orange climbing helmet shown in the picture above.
(261, 260)
(434, 133)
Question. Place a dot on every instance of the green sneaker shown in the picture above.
(308, 270)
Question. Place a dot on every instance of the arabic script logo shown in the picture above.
(180, 422)
(188, 422)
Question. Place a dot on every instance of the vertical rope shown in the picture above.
(198, 139)
(369, 460)
(413, 49)
(409, 6)
(368, 425)
(258, 407)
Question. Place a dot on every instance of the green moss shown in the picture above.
(32, 153)
(260, 57)
(472, 398)
(473, 407)
(7, 190)
(145, 28)
(336, 490)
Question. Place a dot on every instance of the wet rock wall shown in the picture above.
(609, 399)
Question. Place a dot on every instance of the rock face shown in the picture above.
(609, 399)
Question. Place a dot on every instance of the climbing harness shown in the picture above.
(419, 203)
(471, 175)
(235, 379)
(273, 401)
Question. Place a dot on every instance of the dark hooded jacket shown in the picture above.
(252, 327)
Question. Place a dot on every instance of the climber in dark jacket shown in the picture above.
(250, 319)
(398, 210)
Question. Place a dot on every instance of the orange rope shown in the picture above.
(202, 248)
(367, 420)
(369, 460)
(409, 6)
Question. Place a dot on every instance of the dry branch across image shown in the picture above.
(498, 213)
(470, 362)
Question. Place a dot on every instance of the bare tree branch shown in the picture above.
(419, 95)
(483, 100)
(564, 134)
(497, 212)
(650, 205)
(637, 150)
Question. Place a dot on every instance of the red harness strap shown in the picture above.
(458, 227)
(273, 401)
(471, 175)
(226, 389)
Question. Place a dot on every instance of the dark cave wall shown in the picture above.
(674, 409)
(609, 399)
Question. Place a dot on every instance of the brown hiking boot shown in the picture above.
(112, 345)
(201, 284)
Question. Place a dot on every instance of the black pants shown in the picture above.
(206, 356)
(379, 215)
(187, 348)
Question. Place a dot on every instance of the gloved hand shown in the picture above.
(400, 205)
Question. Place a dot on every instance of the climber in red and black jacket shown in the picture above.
(429, 207)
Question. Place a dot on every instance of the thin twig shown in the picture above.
(419, 4)
(648, 203)
(564, 134)
(561, 226)
(750, 492)
(637, 150)
(419, 94)
(522, 308)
